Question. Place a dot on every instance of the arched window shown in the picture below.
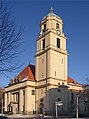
(57, 26)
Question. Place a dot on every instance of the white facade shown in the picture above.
(17, 98)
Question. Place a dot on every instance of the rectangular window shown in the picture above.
(43, 43)
(58, 84)
(23, 108)
(55, 73)
(33, 92)
(59, 99)
(23, 92)
(42, 60)
(58, 42)
(42, 75)
(62, 61)
(41, 91)
(41, 100)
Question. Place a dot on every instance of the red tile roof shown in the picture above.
(70, 80)
(28, 72)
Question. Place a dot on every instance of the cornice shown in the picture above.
(51, 79)
(49, 48)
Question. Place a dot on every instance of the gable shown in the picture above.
(28, 73)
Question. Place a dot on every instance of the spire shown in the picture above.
(51, 13)
(51, 10)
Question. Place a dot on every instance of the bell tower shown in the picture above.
(51, 56)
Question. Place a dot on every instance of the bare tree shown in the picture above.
(10, 40)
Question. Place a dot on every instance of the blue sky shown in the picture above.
(75, 15)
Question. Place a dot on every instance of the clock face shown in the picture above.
(58, 32)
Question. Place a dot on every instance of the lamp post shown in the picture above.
(59, 103)
(56, 110)
(77, 105)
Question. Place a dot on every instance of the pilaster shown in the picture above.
(5, 104)
(27, 100)
(20, 100)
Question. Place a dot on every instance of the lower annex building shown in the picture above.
(38, 88)
(20, 95)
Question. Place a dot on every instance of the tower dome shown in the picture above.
(51, 13)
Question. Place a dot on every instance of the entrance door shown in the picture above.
(41, 108)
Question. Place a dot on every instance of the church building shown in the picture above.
(38, 88)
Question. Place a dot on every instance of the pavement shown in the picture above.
(20, 116)
(39, 117)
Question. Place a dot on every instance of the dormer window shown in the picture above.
(57, 26)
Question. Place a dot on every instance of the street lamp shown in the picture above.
(59, 103)
(77, 105)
